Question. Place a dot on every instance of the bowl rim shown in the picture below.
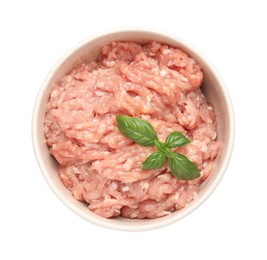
(148, 225)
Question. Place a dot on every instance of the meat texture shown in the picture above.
(97, 163)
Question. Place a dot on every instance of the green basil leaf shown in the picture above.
(155, 161)
(137, 129)
(182, 168)
(176, 139)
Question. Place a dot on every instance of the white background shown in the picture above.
(231, 224)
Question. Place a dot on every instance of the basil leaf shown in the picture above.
(182, 168)
(176, 139)
(155, 161)
(137, 129)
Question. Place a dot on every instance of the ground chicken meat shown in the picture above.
(100, 166)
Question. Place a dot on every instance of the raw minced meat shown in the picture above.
(99, 165)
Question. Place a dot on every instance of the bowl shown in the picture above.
(213, 88)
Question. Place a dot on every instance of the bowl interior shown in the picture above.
(212, 87)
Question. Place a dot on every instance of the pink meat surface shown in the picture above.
(97, 163)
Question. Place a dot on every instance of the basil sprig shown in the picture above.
(143, 133)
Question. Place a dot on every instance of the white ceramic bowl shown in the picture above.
(213, 87)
